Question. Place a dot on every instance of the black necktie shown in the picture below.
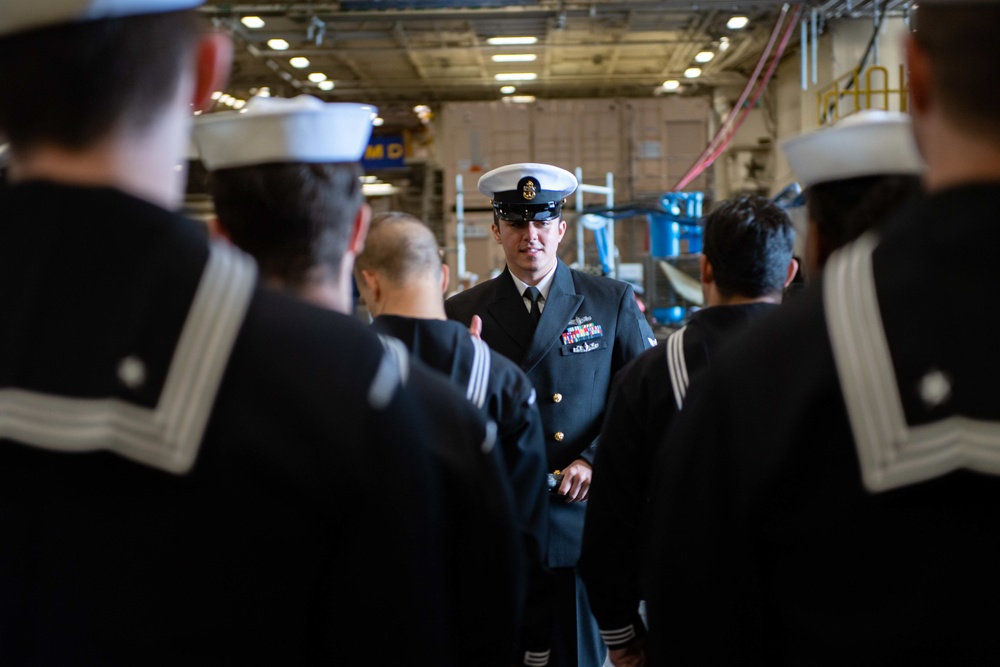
(533, 295)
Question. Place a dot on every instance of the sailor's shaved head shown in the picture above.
(401, 248)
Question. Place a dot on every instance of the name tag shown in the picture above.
(584, 347)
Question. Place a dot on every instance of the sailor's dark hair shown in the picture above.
(293, 218)
(748, 241)
(72, 84)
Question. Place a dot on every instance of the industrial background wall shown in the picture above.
(646, 144)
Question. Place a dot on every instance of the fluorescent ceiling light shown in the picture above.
(421, 108)
(316, 77)
(671, 84)
(723, 43)
(216, 95)
(326, 85)
(239, 104)
(277, 44)
(692, 72)
(516, 76)
(521, 99)
(252, 21)
(737, 22)
(299, 62)
(507, 90)
(378, 189)
(378, 121)
(511, 41)
(703, 56)
(514, 58)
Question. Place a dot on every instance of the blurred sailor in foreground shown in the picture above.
(840, 508)
(192, 469)
(402, 279)
(570, 332)
(746, 265)
(287, 188)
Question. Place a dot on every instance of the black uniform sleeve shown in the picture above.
(701, 580)
(633, 336)
(613, 534)
(525, 458)
(634, 333)
(481, 533)
(393, 516)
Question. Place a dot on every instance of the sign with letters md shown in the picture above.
(384, 152)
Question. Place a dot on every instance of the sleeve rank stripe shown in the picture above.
(620, 636)
(536, 658)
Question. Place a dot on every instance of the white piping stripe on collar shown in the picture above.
(891, 452)
(166, 437)
(479, 377)
(392, 372)
(677, 365)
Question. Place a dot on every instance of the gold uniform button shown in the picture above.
(559, 436)
(556, 398)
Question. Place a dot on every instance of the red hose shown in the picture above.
(739, 112)
(697, 167)
(745, 111)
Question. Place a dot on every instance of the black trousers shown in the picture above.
(576, 640)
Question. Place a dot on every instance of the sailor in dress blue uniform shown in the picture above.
(570, 332)
(402, 279)
(829, 493)
(750, 240)
(286, 188)
(193, 469)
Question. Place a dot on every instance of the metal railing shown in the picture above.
(857, 90)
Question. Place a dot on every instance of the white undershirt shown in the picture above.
(544, 285)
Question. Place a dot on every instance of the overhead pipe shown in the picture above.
(877, 26)
(861, 67)
(804, 48)
(760, 89)
(723, 135)
(815, 44)
(459, 226)
(698, 167)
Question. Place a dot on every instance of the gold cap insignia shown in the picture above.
(529, 191)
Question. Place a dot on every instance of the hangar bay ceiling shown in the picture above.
(401, 53)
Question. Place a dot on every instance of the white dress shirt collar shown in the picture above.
(544, 285)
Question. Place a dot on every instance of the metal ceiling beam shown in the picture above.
(624, 44)
(582, 8)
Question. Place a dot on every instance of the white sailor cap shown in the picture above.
(271, 129)
(868, 143)
(527, 187)
(19, 15)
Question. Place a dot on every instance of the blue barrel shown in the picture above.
(676, 232)
(671, 315)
